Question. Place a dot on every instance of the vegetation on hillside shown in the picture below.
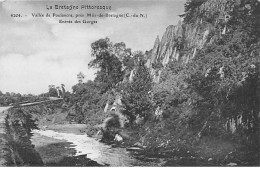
(19, 126)
(215, 95)
(212, 98)
(8, 99)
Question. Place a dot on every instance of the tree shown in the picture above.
(190, 8)
(86, 100)
(135, 97)
(63, 91)
(108, 64)
(63, 88)
(7, 94)
(80, 77)
(218, 88)
(59, 92)
(52, 91)
(225, 76)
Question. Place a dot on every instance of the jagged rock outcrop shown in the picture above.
(182, 41)
(176, 40)
(172, 46)
(154, 52)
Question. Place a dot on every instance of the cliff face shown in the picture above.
(178, 43)
(182, 42)
(174, 40)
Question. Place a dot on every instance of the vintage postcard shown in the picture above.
(127, 83)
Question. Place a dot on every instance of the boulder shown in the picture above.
(232, 164)
(118, 138)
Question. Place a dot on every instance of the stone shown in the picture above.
(118, 138)
(138, 144)
(232, 164)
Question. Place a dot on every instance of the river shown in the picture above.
(91, 148)
(82, 145)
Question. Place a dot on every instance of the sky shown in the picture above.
(37, 52)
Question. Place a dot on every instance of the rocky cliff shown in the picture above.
(182, 41)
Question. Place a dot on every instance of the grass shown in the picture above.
(52, 150)
(56, 152)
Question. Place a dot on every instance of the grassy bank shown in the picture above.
(56, 152)
(52, 150)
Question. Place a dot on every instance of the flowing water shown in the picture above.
(97, 151)
(91, 148)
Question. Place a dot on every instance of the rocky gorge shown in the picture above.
(192, 100)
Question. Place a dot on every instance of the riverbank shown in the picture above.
(72, 141)
(52, 141)
(3, 138)
(68, 143)
(57, 152)
(15, 134)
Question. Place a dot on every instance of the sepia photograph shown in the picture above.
(127, 83)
